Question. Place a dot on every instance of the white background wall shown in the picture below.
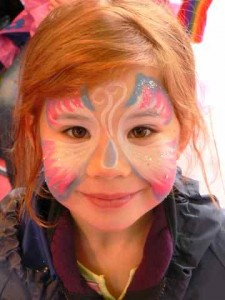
(210, 60)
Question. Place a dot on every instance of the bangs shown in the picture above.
(82, 47)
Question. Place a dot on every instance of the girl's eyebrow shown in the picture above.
(148, 113)
(68, 116)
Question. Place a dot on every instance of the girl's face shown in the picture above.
(109, 153)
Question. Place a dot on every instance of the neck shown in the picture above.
(92, 240)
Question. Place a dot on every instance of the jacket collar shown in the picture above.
(193, 221)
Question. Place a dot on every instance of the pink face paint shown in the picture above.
(156, 163)
(158, 102)
(56, 108)
(59, 180)
(106, 99)
(65, 158)
(155, 159)
(149, 95)
(164, 178)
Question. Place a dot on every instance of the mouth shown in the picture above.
(110, 200)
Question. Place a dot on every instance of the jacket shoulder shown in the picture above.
(18, 281)
(12, 274)
(200, 241)
(207, 280)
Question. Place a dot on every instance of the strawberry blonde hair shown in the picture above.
(78, 44)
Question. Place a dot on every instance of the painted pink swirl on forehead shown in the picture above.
(56, 107)
(157, 101)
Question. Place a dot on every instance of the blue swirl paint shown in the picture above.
(85, 100)
(141, 80)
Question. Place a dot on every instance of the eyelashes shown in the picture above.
(77, 132)
(81, 133)
(140, 132)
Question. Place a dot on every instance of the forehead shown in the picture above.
(123, 86)
(128, 91)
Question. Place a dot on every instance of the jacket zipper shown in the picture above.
(162, 289)
(66, 294)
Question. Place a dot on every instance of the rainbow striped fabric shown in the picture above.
(193, 15)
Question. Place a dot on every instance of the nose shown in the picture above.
(108, 161)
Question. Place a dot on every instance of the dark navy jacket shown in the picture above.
(196, 271)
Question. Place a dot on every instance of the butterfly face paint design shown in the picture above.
(109, 115)
(106, 99)
(63, 159)
(150, 97)
(155, 159)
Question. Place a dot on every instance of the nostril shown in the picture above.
(96, 168)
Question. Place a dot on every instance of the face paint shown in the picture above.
(155, 165)
(56, 108)
(64, 161)
(151, 96)
(150, 162)
(86, 101)
(59, 181)
(111, 155)
(107, 99)
(64, 165)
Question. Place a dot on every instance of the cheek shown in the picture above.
(63, 166)
(156, 163)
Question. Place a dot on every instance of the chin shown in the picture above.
(113, 224)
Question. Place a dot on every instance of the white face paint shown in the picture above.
(107, 99)
(64, 158)
(154, 159)
(121, 137)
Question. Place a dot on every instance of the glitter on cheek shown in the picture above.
(166, 172)
(158, 168)
(162, 188)
(144, 158)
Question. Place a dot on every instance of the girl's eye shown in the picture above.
(140, 132)
(78, 132)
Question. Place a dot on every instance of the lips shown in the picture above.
(110, 200)
(110, 196)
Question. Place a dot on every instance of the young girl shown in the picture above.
(107, 105)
